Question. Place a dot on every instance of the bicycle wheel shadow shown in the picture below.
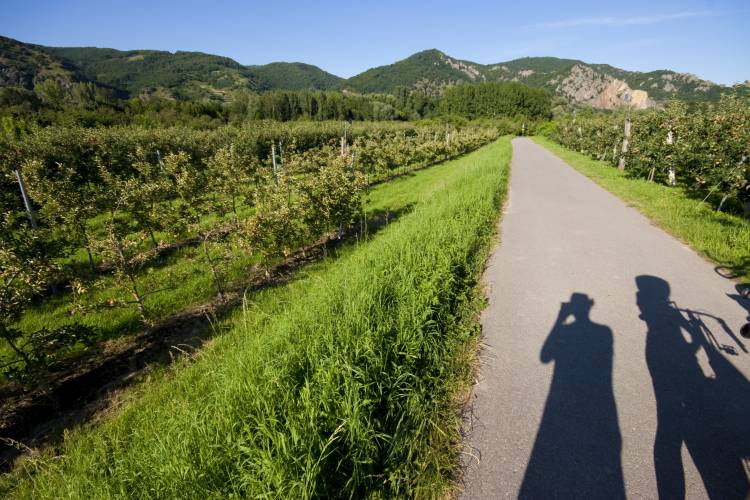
(577, 449)
(742, 297)
(702, 400)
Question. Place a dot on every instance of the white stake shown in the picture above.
(625, 144)
(273, 160)
(26, 202)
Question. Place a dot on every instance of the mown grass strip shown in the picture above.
(342, 384)
(721, 237)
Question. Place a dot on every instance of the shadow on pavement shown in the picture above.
(577, 448)
(703, 401)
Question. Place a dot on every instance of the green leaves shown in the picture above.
(130, 197)
(707, 153)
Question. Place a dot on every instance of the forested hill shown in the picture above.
(598, 85)
(430, 70)
(186, 75)
(25, 65)
(293, 76)
(195, 75)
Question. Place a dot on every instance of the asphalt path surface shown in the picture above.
(612, 364)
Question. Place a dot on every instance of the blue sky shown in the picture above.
(707, 37)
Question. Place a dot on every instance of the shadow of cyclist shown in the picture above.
(705, 406)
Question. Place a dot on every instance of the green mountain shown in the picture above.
(595, 83)
(195, 75)
(293, 76)
(137, 72)
(430, 70)
(598, 85)
(183, 75)
(25, 65)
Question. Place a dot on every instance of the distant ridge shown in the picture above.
(196, 75)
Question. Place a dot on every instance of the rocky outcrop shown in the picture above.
(10, 77)
(468, 69)
(585, 85)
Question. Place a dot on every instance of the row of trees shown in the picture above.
(86, 104)
(327, 105)
(86, 149)
(703, 148)
(231, 198)
(496, 100)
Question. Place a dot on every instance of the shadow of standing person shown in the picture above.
(577, 449)
(705, 407)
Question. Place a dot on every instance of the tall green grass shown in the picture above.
(723, 238)
(341, 384)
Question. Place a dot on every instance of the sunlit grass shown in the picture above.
(342, 383)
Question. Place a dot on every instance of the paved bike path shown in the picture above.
(601, 329)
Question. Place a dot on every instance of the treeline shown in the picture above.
(330, 105)
(496, 100)
(88, 105)
(703, 148)
(85, 104)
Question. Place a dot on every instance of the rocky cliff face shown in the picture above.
(585, 85)
(470, 70)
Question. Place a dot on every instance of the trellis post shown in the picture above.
(26, 202)
(625, 143)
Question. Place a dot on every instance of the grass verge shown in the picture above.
(723, 238)
(341, 384)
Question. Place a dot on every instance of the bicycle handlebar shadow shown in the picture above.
(577, 449)
(704, 408)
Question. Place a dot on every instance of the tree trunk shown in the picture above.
(212, 266)
(133, 285)
(138, 299)
(92, 266)
(6, 336)
(87, 245)
(151, 234)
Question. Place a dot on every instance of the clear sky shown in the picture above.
(710, 38)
